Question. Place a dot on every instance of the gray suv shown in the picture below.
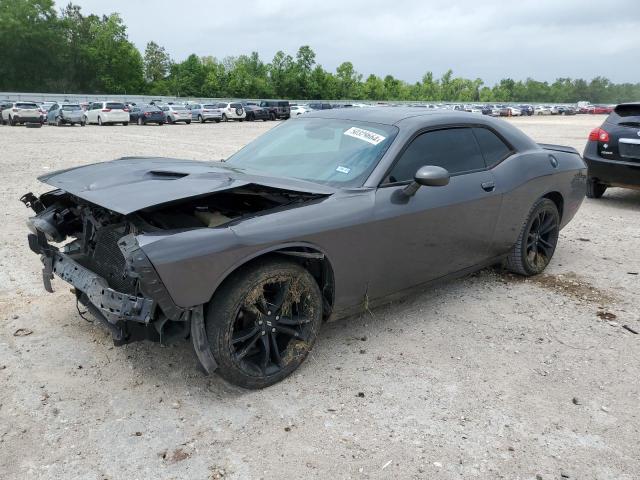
(65, 113)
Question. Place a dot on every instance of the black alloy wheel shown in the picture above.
(537, 241)
(263, 323)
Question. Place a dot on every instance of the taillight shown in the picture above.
(125, 109)
(106, 109)
(15, 109)
(599, 135)
(146, 114)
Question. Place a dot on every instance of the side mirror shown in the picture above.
(428, 176)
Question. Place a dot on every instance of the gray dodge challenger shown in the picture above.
(321, 217)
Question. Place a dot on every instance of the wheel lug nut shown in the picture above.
(277, 317)
(263, 332)
(259, 322)
(273, 330)
(269, 312)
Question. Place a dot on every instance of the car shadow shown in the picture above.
(621, 198)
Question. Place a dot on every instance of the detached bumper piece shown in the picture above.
(108, 305)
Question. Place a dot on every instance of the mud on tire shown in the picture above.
(262, 323)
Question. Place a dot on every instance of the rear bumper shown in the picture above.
(36, 119)
(620, 173)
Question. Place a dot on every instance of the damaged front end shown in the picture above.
(97, 250)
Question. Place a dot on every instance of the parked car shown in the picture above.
(509, 111)
(320, 106)
(247, 257)
(278, 109)
(65, 114)
(107, 113)
(19, 113)
(542, 110)
(176, 113)
(143, 114)
(564, 110)
(205, 112)
(526, 109)
(297, 110)
(612, 152)
(601, 109)
(254, 112)
(232, 111)
(3, 105)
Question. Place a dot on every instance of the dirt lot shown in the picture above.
(488, 377)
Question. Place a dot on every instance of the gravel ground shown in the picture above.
(491, 376)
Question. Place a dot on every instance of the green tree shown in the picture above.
(30, 44)
(157, 62)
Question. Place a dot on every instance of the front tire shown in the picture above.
(537, 240)
(201, 119)
(595, 189)
(224, 117)
(262, 323)
(100, 121)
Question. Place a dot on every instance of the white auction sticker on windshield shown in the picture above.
(366, 135)
(343, 169)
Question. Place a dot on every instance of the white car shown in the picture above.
(176, 113)
(232, 111)
(105, 113)
(514, 112)
(472, 109)
(541, 110)
(299, 110)
(22, 112)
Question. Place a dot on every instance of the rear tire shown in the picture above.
(100, 121)
(125, 124)
(217, 120)
(200, 119)
(263, 321)
(224, 118)
(188, 122)
(537, 240)
(595, 189)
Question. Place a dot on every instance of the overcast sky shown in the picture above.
(490, 39)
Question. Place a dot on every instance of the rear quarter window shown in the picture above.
(493, 148)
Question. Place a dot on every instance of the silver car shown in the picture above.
(65, 114)
(203, 112)
(176, 113)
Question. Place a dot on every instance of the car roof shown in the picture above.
(386, 115)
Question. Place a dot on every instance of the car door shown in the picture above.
(439, 230)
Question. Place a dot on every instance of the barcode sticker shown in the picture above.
(366, 135)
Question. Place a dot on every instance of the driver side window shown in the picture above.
(454, 149)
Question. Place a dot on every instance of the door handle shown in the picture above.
(488, 186)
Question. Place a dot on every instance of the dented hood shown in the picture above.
(135, 183)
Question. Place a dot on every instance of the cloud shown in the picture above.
(492, 39)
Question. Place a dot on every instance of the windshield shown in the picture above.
(341, 153)
(70, 108)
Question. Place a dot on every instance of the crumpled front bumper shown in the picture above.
(112, 305)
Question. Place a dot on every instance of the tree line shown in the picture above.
(43, 50)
